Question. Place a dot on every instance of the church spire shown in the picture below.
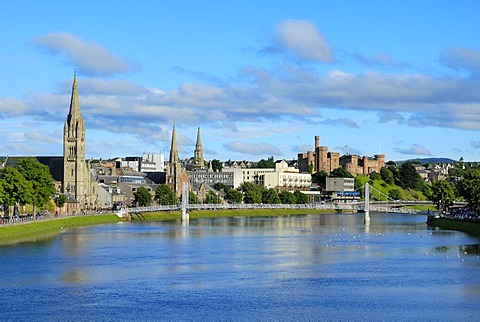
(198, 161)
(199, 142)
(74, 112)
(173, 147)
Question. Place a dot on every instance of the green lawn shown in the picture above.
(41, 228)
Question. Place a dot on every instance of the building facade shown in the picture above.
(322, 160)
(176, 175)
(76, 170)
(362, 165)
(318, 160)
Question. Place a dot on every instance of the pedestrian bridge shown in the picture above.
(339, 207)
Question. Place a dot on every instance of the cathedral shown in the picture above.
(70, 172)
(76, 179)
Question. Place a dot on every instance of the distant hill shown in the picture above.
(429, 160)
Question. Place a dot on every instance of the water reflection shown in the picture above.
(73, 276)
(329, 267)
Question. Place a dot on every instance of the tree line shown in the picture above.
(248, 192)
(29, 182)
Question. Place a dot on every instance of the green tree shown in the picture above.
(193, 198)
(219, 186)
(252, 196)
(16, 189)
(165, 195)
(212, 198)
(252, 193)
(142, 197)
(340, 173)
(270, 196)
(375, 176)
(442, 195)
(286, 197)
(269, 163)
(320, 178)
(310, 168)
(216, 165)
(387, 175)
(469, 188)
(408, 178)
(60, 200)
(42, 183)
(301, 197)
(395, 194)
(233, 196)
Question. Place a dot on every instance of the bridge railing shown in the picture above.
(317, 206)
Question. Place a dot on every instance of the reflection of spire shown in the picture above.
(173, 147)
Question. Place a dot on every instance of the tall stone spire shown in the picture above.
(74, 105)
(198, 161)
(76, 174)
(173, 147)
(74, 126)
(174, 169)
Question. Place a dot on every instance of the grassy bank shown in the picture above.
(455, 224)
(44, 229)
(38, 229)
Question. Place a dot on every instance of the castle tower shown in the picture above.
(76, 174)
(198, 162)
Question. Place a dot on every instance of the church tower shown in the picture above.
(198, 162)
(76, 176)
(173, 169)
(176, 175)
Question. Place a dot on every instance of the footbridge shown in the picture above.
(339, 207)
(380, 203)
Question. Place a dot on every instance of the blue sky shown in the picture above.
(260, 78)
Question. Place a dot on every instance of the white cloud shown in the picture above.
(303, 39)
(414, 150)
(343, 122)
(461, 59)
(475, 144)
(253, 148)
(88, 57)
(12, 107)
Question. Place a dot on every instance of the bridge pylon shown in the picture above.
(185, 215)
(367, 204)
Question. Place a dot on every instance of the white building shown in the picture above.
(236, 174)
(149, 162)
(288, 178)
(152, 162)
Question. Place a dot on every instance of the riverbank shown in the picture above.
(45, 229)
(467, 226)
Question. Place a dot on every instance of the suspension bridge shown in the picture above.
(366, 206)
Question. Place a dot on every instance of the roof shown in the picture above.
(54, 164)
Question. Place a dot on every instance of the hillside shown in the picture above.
(381, 189)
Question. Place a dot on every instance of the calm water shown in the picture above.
(299, 268)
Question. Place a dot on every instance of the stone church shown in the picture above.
(71, 172)
(76, 179)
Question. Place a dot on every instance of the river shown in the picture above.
(328, 267)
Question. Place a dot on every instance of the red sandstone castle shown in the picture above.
(322, 160)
